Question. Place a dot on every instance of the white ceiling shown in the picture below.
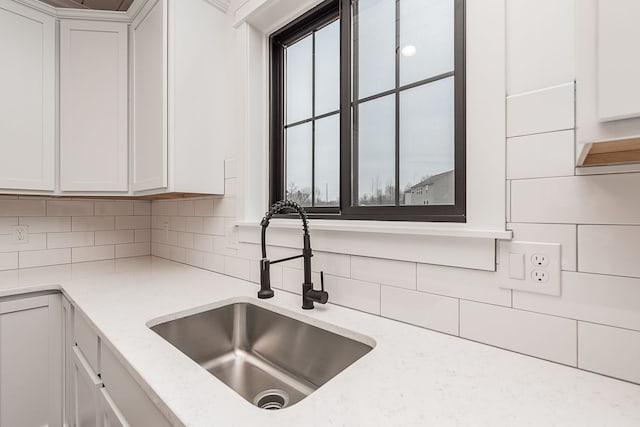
(91, 4)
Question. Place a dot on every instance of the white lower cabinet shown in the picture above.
(30, 361)
(86, 384)
(111, 415)
(99, 391)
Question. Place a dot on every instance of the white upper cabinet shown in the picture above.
(149, 98)
(27, 100)
(181, 52)
(93, 106)
(618, 59)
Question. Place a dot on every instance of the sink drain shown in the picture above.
(271, 399)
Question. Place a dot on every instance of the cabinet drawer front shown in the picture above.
(26, 303)
(87, 341)
(111, 415)
(127, 395)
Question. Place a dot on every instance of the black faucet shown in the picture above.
(309, 295)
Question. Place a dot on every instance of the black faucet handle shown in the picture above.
(322, 281)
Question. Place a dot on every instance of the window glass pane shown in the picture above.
(328, 69)
(298, 166)
(426, 39)
(299, 76)
(327, 160)
(375, 37)
(427, 144)
(376, 152)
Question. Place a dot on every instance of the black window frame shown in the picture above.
(317, 18)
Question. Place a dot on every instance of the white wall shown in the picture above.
(594, 325)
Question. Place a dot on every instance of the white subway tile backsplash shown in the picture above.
(594, 298)
(44, 224)
(429, 311)
(545, 110)
(609, 249)
(27, 207)
(213, 225)
(203, 207)
(92, 223)
(541, 155)
(237, 267)
(195, 258)
(194, 224)
(133, 249)
(203, 242)
(539, 335)
(160, 250)
(143, 235)
(178, 254)
(7, 223)
(178, 223)
(330, 263)
(609, 351)
(474, 285)
(45, 257)
(164, 207)
(114, 207)
(69, 208)
(186, 208)
(35, 241)
(8, 261)
(214, 262)
(114, 237)
(132, 222)
(564, 234)
(593, 199)
(142, 207)
(185, 240)
(292, 279)
(92, 253)
(387, 272)
(364, 296)
(70, 240)
(225, 206)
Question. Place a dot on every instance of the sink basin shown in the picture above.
(270, 359)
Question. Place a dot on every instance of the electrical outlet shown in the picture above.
(21, 234)
(540, 260)
(540, 276)
(540, 271)
(165, 230)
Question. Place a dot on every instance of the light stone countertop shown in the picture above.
(413, 376)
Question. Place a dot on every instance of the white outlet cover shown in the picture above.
(551, 251)
(21, 234)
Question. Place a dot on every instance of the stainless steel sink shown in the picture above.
(271, 360)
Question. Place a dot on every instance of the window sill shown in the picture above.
(389, 227)
(440, 244)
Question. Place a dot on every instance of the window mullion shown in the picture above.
(397, 94)
(313, 122)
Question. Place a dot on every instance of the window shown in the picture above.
(368, 110)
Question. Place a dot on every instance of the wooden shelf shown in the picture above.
(615, 151)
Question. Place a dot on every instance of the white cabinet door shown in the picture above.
(68, 395)
(93, 106)
(618, 61)
(109, 412)
(87, 386)
(27, 98)
(28, 376)
(150, 98)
